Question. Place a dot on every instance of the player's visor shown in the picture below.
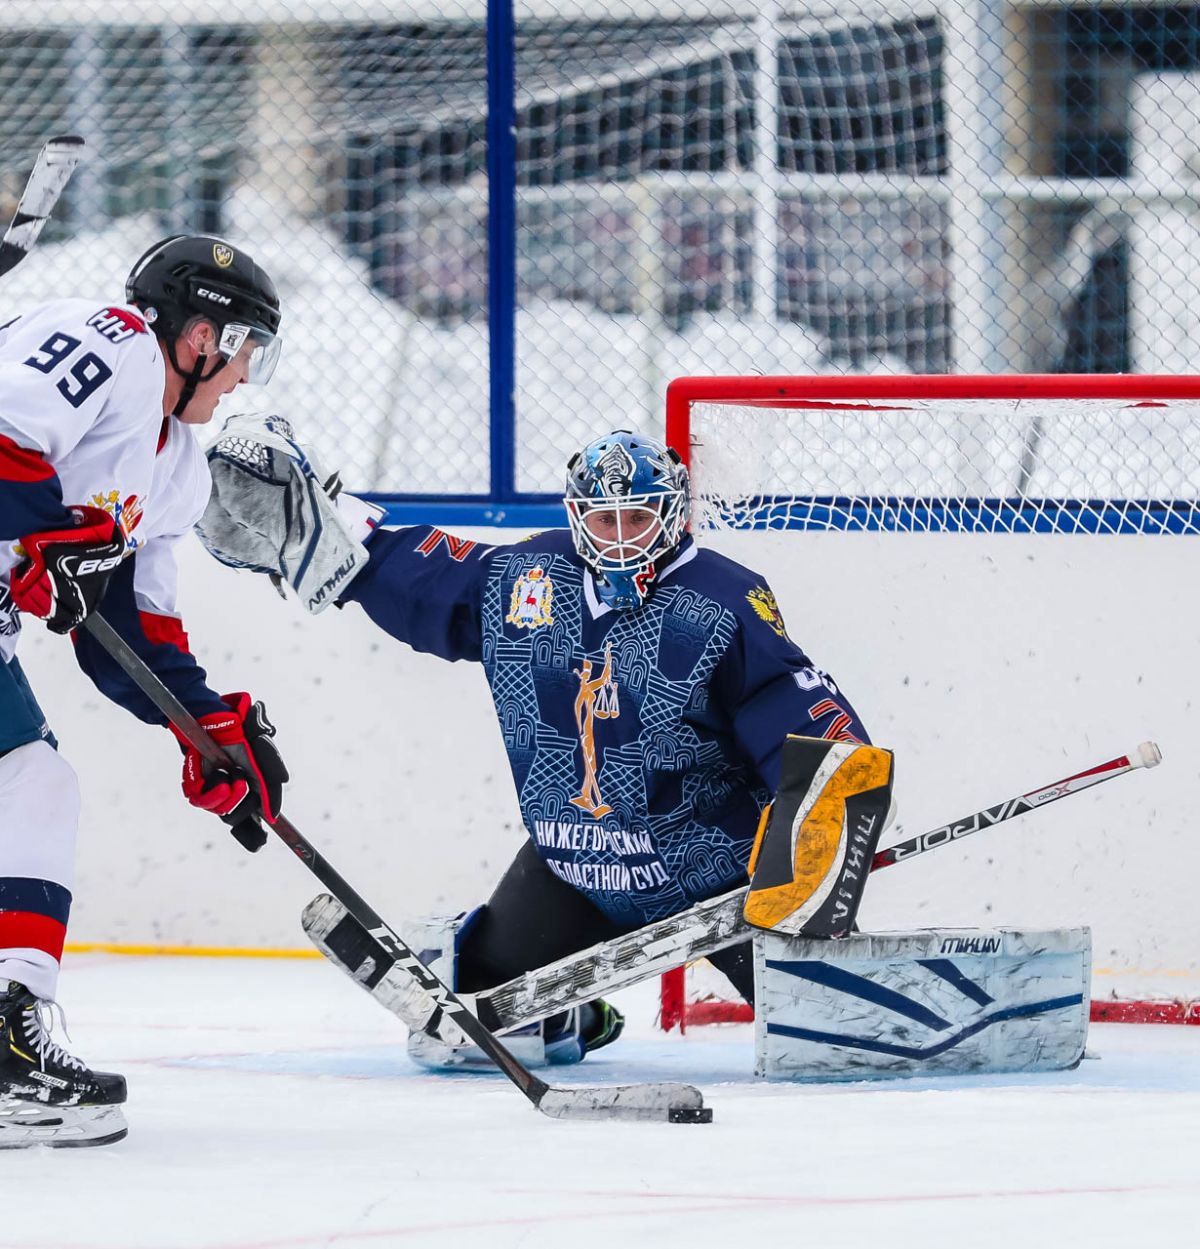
(259, 349)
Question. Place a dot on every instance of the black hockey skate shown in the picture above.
(47, 1096)
(601, 1024)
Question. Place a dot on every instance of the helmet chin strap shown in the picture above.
(193, 378)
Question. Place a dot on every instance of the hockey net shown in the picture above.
(1055, 454)
(1058, 454)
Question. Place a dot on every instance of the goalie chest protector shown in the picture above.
(931, 1002)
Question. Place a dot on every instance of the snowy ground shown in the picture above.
(272, 1107)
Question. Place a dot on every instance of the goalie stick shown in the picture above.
(695, 933)
(51, 172)
(421, 1000)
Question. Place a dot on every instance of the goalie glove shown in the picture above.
(66, 571)
(273, 511)
(255, 787)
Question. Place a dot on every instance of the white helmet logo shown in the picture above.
(616, 468)
(232, 338)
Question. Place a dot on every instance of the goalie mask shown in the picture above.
(188, 276)
(627, 503)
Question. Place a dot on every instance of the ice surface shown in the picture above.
(272, 1107)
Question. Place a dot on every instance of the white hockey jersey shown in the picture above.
(81, 383)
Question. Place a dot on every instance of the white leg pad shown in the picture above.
(434, 940)
(932, 1002)
(527, 1047)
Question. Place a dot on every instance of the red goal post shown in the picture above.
(1012, 453)
(1060, 453)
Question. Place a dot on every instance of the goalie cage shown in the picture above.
(1056, 453)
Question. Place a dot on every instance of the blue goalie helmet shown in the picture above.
(628, 505)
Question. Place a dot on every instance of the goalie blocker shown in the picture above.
(816, 841)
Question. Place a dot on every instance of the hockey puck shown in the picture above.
(689, 1114)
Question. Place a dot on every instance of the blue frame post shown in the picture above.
(502, 247)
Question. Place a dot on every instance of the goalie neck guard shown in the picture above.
(187, 276)
(627, 502)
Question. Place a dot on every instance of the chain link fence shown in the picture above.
(700, 186)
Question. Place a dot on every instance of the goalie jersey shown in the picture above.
(643, 744)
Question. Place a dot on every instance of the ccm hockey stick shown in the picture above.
(51, 172)
(695, 933)
(421, 1000)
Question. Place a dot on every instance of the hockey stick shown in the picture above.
(1147, 755)
(51, 172)
(695, 933)
(428, 1004)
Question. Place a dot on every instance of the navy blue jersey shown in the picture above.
(644, 744)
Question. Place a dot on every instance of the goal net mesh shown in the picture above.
(981, 456)
(1099, 465)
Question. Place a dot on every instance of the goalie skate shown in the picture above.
(48, 1096)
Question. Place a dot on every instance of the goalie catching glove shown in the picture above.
(67, 570)
(816, 841)
(255, 787)
(272, 511)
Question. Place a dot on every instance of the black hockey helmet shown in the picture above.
(186, 276)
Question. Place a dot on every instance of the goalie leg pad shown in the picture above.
(817, 839)
(527, 1046)
(436, 941)
(933, 1002)
(554, 1042)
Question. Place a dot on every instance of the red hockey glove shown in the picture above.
(66, 570)
(254, 787)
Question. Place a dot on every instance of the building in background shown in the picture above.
(970, 185)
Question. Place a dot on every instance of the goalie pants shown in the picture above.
(534, 918)
(39, 816)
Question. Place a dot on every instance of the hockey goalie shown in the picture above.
(645, 688)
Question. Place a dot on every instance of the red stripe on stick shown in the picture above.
(1113, 765)
(28, 930)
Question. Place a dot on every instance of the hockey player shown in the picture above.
(99, 475)
(644, 687)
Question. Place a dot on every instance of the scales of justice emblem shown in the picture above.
(596, 700)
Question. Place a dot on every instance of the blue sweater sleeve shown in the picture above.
(160, 641)
(425, 587)
(30, 493)
(769, 688)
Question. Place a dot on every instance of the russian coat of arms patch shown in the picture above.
(532, 598)
(766, 608)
